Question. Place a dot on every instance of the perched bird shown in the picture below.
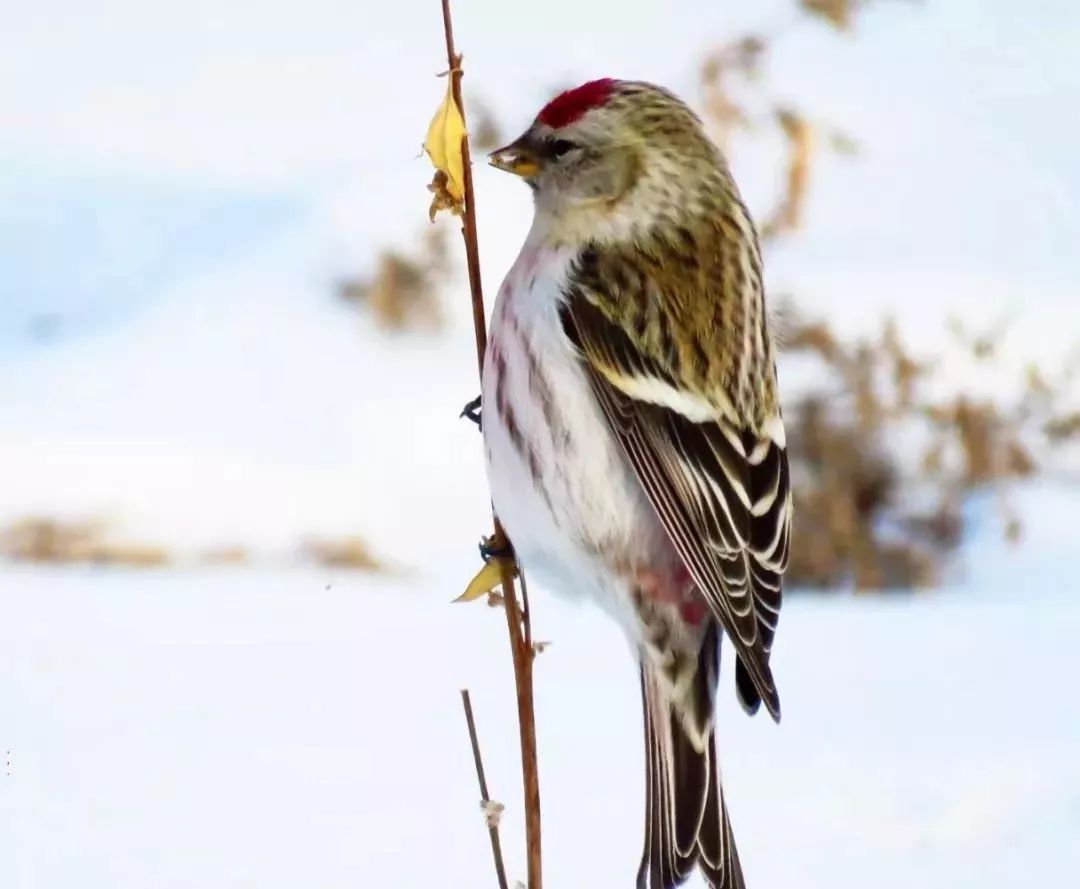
(635, 448)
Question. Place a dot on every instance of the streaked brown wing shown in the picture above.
(722, 494)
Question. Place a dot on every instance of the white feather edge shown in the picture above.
(693, 406)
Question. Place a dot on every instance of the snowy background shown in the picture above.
(181, 185)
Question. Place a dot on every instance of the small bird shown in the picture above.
(634, 443)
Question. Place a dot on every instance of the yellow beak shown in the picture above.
(518, 158)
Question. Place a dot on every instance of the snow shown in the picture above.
(248, 728)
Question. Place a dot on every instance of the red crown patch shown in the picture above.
(567, 107)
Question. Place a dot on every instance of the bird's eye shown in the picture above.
(560, 146)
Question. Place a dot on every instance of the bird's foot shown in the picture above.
(497, 555)
(471, 411)
(491, 548)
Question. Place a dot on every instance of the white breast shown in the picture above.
(560, 485)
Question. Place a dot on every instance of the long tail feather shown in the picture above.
(686, 821)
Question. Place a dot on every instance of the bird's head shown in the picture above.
(612, 155)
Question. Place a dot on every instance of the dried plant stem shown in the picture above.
(468, 217)
(519, 627)
(523, 655)
(493, 828)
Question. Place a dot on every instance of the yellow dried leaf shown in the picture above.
(487, 578)
(443, 146)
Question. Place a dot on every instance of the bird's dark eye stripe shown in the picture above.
(559, 147)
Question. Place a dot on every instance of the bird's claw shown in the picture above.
(491, 549)
(472, 412)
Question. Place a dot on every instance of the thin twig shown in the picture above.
(526, 617)
(493, 828)
(468, 217)
(523, 671)
(522, 654)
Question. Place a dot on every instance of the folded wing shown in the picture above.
(721, 491)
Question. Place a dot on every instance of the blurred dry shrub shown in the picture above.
(346, 552)
(799, 136)
(734, 102)
(838, 13)
(484, 132)
(226, 555)
(1064, 427)
(724, 70)
(56, 541)
(403, 292)
(881, 466)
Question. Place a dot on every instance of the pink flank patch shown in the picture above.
(692, 607)
(567, 107)
(678, 589)
(693, 612)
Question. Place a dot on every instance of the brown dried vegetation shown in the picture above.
(352, 553)
(838, 13)
(234, 555)
(872, 513)
(403, 293)
(788, 214)
(55, 541)
(484, 132)
(724, 70)
(734, 102)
